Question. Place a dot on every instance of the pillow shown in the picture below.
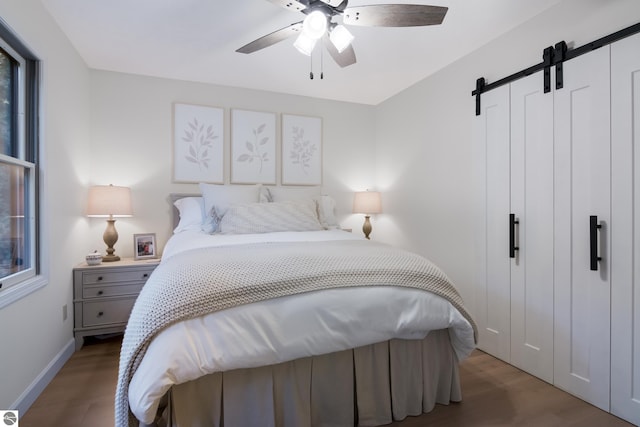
(327, 211)
(325, 205)
(218, 198)
(270, 217)
(191, 210)
(282, 194)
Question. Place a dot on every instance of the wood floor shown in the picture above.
(494, 394)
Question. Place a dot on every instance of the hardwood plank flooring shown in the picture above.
(494, 394)
(82, 393)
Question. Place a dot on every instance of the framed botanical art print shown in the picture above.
(253, 147)
(198, 144)
(301, 150)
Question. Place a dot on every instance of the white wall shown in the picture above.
(32, 331)
(132, 145)
(424, 162)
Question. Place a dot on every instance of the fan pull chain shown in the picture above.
(321, 64)
(322, 61)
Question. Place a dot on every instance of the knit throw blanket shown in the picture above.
(198, 282)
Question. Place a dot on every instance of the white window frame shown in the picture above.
(24, 282)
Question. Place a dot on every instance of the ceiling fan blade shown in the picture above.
(271, 38)
(343, 59)
(293, 5)
(333, 3)
(394, 15)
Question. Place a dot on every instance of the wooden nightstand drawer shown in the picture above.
(111, 290)
(107, 312)
(103, 295)
(96, 277)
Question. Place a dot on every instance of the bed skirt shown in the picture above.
(367, 386)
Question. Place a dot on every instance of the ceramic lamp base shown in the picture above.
(366, 228)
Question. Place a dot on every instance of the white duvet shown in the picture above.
(286, 328)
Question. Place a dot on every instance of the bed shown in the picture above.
(263, 312)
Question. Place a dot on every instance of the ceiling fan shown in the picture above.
(318, 24)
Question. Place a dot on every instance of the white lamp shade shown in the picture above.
(367, 202)
(305, 44)
(341, 38)
(109, 200)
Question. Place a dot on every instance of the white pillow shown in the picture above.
(270, 217)
(218, 198)
(327, 211)
(282, 194)
(326, 205)
(191, 210)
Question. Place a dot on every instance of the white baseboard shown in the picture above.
(26, 399)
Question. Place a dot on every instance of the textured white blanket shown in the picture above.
(198, 282)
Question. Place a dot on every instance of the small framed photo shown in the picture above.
(144, 246)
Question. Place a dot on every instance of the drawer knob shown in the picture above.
(145, 275)
(100, 292)
(99, 278)
(100, 313)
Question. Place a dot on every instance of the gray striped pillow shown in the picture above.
(270, 217)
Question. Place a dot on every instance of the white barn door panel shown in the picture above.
(564, 306)
(532, 205)
(625, 230)
(582, 189)
(491, 145)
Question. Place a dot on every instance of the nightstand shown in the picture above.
(104, 294)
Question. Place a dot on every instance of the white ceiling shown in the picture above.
(195, 40)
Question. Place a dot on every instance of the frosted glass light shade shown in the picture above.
(367, 202)
(341, 37)
(109, 200)
(315, 25)
(305, 44)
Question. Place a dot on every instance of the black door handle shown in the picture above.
(512, 235)
(593, 241)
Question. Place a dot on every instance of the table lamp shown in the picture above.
(109, 201)
(367, 202)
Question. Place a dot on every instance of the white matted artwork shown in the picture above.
(253, 147)
(198, 143)
(301, 150)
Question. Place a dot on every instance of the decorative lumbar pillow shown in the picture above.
(270, 217)
(325, 205)
(282, 194)
(191, 211)
(218, 199)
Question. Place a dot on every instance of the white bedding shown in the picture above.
(286, 328)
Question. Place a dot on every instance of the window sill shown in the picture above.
(14, 293)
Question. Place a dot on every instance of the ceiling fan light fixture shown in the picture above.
(318, 24)
(341, 37)
(315, 24)
(305, 44)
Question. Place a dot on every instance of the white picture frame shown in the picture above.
(301, 150)
(253, 147)
(144, 246)
(198, 143)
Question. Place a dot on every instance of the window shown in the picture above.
(19, 263)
